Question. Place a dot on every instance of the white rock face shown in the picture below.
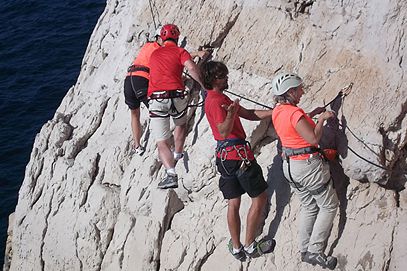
(86, 203)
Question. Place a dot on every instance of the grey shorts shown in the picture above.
(160, 112)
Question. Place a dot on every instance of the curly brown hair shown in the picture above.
(211, 71)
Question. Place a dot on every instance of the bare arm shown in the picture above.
(316, 111)
(312, 135)
(226, 126)
(200, 54)
(194, 71)
(252, 114)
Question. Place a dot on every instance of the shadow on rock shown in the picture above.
(279, 186)
(341, 182)
(334, 137)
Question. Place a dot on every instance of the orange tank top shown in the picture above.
(143, 59)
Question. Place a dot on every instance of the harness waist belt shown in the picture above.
(221, 144)
(135, 68)
(287, 152)
(167, 94)
(240, 146)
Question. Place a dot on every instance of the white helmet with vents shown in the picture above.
(283, 82)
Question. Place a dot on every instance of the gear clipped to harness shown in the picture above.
(330, 154)
(326, 154)
(224, 147)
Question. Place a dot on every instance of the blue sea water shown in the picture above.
(42, 44)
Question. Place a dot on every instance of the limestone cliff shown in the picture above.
(86, 203)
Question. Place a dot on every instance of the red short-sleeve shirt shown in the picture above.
(166, 66)
(215, 115)
(143, 58)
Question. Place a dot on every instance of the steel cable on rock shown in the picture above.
(342, 94)
(152, 14)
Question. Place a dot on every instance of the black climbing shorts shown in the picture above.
(135, 91)
(235, 181)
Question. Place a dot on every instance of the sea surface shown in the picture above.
(42, 44)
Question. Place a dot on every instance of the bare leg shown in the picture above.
(234, 221)
(165, 154)
(254, 217)
(136, 126)
(179, 138)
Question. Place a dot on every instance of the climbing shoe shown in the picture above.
(239, 255)
(264, 246)
(170, 181)
(320, 259)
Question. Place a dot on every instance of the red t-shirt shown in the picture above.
(285, 118)
(216, 115)
(166, 66)
(143, 58)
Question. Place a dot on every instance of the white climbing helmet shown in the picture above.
(283, 82)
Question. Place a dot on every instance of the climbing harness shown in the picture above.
(223, 147)
(135, 68)
(168, 96)
(139, 92)
(158, 95)
(313, 152)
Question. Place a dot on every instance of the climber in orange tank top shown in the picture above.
(135, 88)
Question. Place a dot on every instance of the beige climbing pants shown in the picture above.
(317, 211)
(160, 112)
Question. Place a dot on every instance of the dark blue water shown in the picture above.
(42, 44)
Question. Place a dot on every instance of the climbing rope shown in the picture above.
(247, 99)
(200, 62)
(345, 91)
(366, 160)
(201, 103)
(230, 92)
(342, 94)
(152, 5)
